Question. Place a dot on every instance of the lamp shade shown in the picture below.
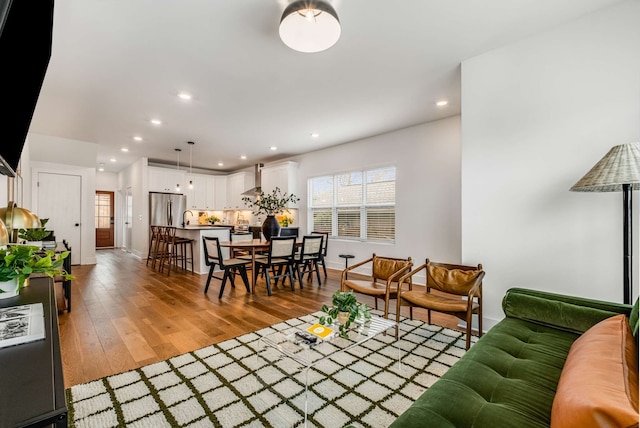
(309, 26)
(621, 165)
(4, 236)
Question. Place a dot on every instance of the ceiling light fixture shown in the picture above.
(190, 143)
(184, 96)
(315, 135)
(220, 164)
(178, 168)
(442, 103)
(101, 168)
(243, 157)
(112, 159)
(309, 26)
(274, 148)
(124, 149)
(137, 138)
(156, 121)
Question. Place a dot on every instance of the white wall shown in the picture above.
(536, 116)
(46, 148)
(136, 177)
(427, 160)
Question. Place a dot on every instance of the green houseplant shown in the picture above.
(213, 219)
(17, 262)
(270, 204)
(345, 309)
(35, 234)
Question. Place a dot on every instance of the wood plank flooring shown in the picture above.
(126, 315)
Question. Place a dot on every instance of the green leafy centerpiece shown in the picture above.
(270, 204)
(18, 262)
(345, 310)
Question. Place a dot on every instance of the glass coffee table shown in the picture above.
(288, 345)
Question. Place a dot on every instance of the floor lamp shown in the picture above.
(618, 171)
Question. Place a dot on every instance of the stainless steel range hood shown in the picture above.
(258, 181)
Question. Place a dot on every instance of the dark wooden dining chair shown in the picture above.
(306, 261)
(323, 253)
(278, 263)
(213, 257)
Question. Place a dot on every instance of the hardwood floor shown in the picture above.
(126, 315)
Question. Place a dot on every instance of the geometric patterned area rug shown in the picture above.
(233, 384)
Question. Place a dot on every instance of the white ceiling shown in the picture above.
(118, 63)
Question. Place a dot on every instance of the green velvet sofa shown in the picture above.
(509, 377)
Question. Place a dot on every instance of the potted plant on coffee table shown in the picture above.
(345, 310)
(270, 204)
(18, 262)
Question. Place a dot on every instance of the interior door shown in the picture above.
(128, 223)
(104, 219)
(60, 200)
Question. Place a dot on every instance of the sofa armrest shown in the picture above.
(568, 313)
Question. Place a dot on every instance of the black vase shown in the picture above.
(270, 227)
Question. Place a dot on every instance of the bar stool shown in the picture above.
(154, 241)
(174, 250)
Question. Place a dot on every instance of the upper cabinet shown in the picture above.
(166, 180)
(284, 176)
(204, 195)
(220, 184)
(236, 184)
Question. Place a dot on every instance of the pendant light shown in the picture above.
(190, 143)
(178, 168)
(309, 26)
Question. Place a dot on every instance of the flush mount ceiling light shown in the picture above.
(309, 26)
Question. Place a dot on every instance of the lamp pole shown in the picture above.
(627, 250)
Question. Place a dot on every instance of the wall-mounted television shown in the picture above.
(25, 48)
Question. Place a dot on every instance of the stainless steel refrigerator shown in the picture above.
(165, 209)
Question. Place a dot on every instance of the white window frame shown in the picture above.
(362, 206)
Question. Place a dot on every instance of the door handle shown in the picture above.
(77, 224)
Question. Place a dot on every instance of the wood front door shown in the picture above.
(104, 219)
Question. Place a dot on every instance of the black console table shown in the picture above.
(31, 382)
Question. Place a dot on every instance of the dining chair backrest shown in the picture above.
(282, 247)
(212, 251)
(325, 241)
(289, 231)
(312, 245)
(241, 237)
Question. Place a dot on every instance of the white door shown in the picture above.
(128, 216)
(60, 200)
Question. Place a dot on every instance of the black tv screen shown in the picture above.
(25, 48)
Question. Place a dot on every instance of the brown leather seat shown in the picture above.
(452, 282)
(383, 283)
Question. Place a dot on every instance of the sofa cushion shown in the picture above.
(509, 376)
(599, 382)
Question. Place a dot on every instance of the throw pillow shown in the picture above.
(599, 382)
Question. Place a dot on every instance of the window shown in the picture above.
(356, 205)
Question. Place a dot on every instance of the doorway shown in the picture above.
(62, 208)
(128, 223)
(104, 219)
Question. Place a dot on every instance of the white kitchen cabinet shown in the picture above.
(165, 180)
(204, 193)
(236, 184)
(196, 197)
(284, 176)
(220, 198)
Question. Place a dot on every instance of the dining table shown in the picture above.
(252, 247)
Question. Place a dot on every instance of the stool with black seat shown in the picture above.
(213, 257)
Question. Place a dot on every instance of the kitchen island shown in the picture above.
(196, 233)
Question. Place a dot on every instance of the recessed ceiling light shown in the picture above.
(156, 121)
(112, 159)
(184, 96)
(273, 148)
(137, 138)
(442, 103)
(220, 164)
(124, 149)
(101, 169)
(315, 135)
(243, 157)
